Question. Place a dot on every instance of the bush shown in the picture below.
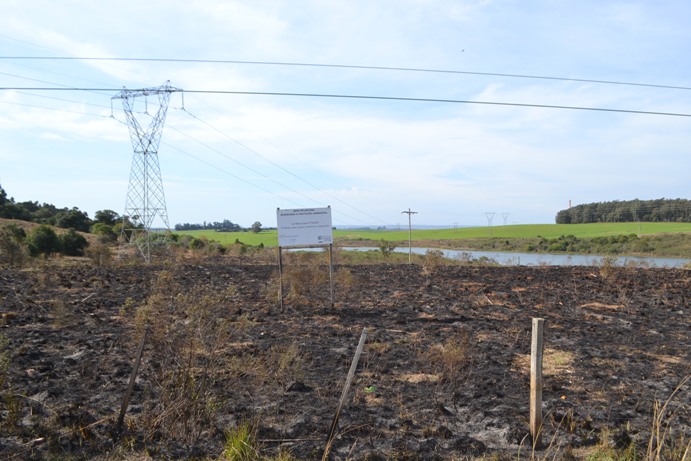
(197, 244)
(387, 248)
(43, 241)
(72, 243)
(100, 254)
(104, 231)
(12, 249)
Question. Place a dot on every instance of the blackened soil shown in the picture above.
(445, 371)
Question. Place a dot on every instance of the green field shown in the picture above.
(350, 236)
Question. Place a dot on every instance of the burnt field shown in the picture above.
(444, 373)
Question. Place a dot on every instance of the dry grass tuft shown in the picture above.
(187, 333)
(453, 358)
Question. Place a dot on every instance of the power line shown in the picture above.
(62, 99)
(347, 66)
(382, 98)
(208, 125)
(215, 150)
(282, 169)
(229, 173)
(323, 175)
(296, 192)
(54, 109)
(243, 165)
(447, 101)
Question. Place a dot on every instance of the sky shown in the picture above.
(225, 155)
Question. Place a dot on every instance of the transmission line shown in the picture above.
(211, 148)
(311, 199)
(244, 166)
(436, 100)
(383, 98)
(347, 66)
(330, 178)
(284, 170)
(230, 174)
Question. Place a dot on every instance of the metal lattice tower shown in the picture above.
(145, 198)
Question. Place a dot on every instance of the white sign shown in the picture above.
(304, 226)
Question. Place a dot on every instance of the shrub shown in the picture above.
(104, 231)
(100, 254)
(453, 358)
(187, 332)
(433, 260)
(43, 240)
(12, 247)
(197, 244)
(387, 248)
(72, 243)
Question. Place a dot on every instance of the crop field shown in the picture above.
(269, 238)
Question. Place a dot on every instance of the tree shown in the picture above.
(11, 210)
(257, 227)
(106, 217)
(3, 197)
(72, 243)
(73, 219)
(43, 240)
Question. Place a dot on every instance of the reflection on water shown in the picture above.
(541, 259)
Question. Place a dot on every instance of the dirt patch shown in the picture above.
(444, 373)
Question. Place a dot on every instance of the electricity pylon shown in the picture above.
(145, 198)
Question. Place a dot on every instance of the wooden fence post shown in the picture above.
(280, 278)
(130, 387)
(536, 383)
(344, 394)
(331, 272)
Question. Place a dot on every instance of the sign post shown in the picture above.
(304, 228)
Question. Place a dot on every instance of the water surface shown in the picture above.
(542, 259)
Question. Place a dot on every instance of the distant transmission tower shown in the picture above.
(145, 199)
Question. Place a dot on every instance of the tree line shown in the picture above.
(224, 226)
(105, 222)
(657, 210)
(107, 225)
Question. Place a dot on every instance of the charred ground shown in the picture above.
(445, 372)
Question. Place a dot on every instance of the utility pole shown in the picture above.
(145, 198)
(506, 218)
(410, 234)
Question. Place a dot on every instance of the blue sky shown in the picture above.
(240, 157)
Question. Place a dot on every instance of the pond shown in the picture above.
(542, 259)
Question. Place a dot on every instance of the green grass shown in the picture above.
(520, 231)
(270, 238)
